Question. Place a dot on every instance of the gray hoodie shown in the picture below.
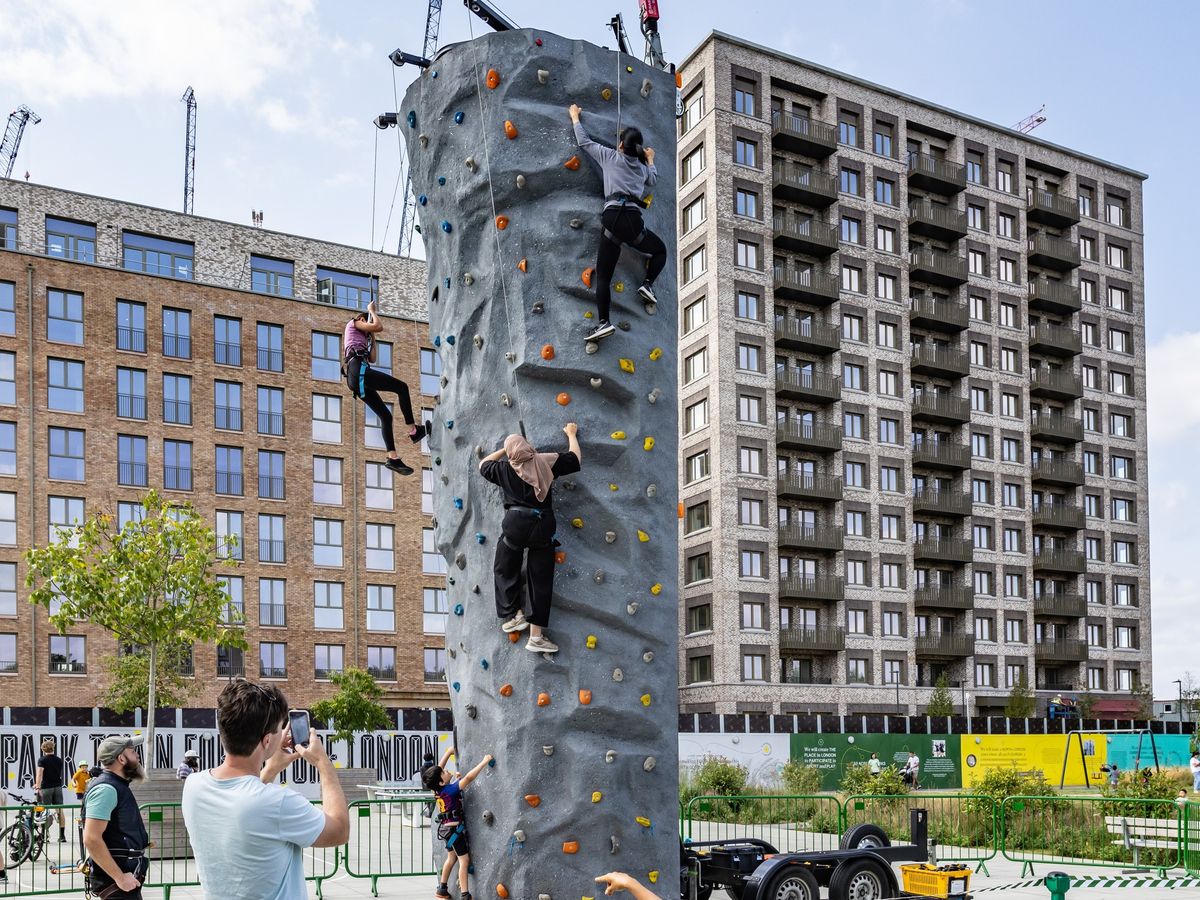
(622, 174)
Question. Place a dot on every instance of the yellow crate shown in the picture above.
(948, 881)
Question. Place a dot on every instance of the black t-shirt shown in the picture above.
(52, 767)
(520, 493)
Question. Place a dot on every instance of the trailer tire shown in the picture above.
(865, 837)
(792, 883)
(860, 879)
(735, 893)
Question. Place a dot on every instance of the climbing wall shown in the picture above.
(585, 779)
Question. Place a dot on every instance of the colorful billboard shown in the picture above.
(832, 753)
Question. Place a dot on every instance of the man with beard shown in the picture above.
(114, 837)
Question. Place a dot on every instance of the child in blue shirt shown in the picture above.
(448, 787)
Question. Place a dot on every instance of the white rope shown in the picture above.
(374, 186)
(618, 93)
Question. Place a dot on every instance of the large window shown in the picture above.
(381, 663)
(231, 534)
(65, 515)
(326, 356)
(70, 240)
(328, 542)
(68, 654)
(64, 317)
(270, 347)
(272, 604)
(158, 256)
(177, 465)
(177, 399)
(381, 607)
(131, 460)
(271, 480)
(348, 289)
(328, 604)
(271, 547)
(229, 471)
(326, 419)
(64, 385)
(271, 276)
(131, 326)
(66, 459)
(8, 307)
(270, 411)
(131, 393)
(227, 405)
(8, 519)
(8, 229)
(8, 377)
(693, 165)
(8, 448)
(432, 561)
(435, 665)
(436, 610)
(328, 659)
(381, 547)
(380, 494)
(227, 341)
(177, 333)
(431, 371)
(693, 110)
(327, 480)
(272, 660)
(8, 591)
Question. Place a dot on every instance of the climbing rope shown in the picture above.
(618, 55)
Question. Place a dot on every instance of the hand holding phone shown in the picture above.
(300, 726)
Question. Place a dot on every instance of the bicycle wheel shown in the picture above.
(38, 846)
(16, 842)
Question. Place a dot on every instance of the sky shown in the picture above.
(287, 91)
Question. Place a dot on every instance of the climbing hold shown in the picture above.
(590, 643)
(523, 265)
(543, 699)
(424, 139)
(504, 399)
(651, 308)
(596, 382)
(576, 223)
(514, 636)
(649, 764)
(618, 675)
(642, 536)
(458, 118)
(472, 711)
(610, 756)
(445, 283)
(433, 73)
(453, 655)
(560, 556)
(506, 690)
(548, 351)
(444, 478)
(563, 398)
(533, 800)
(493, 79)
(619, 287)
(648, 444)
(652, 875)
(457, 687)
(585, 697)
(478, 341)
(651, 489)
(543, 76)
(502, 222)
(606, 94)
(538, 41)
(480, 537)
(509, 355)
(629, 69)
(627, 365)
(646, 86)
(501, 891)
(618, 435)
(570, 846)
(521, 181)
(475, 590)
(458, 609)
(577, 523)
(437, 340)
(648, 656)
(643, 821)
(510, 130)
(632, 607)
(422, 199)
(443, 381)
(615, 843)
(612, 487)
(645, 699)
(469, 162)
(656, 353)
(654, 395)
(610, 536)
(590, 347)
(488, 817)
(539, 307)
(442, 180)
(598, 576)
(451, 580)
(460, 560)
(446, 226)
(587, 276)
(412, 119)
(572, 163)
(479, 454)
(484, 664)
(548, 749)
(597, 796)
(449, 423)
(568, 485)
(656, 589)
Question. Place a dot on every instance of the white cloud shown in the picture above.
(1173, 391)
(279, 117)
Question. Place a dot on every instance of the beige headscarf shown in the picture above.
(531, 467)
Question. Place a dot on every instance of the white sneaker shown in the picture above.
(602, 331)
(647, 293)
(516, 623)
(541, 644)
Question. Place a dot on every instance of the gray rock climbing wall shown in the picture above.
(586, 777)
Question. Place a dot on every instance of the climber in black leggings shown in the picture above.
(627, 171)
(365, 383)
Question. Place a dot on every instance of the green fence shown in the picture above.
(790, 824)
(54, 871)
(964, 825)
(389, 839)
(1189, 845)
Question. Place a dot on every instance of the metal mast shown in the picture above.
(189, 151)
(408, 217)
(11, 142)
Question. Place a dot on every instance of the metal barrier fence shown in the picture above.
(1189, 839)
(389, 839)
(964, 825)
(788, 823)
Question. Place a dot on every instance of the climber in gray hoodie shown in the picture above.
(628, 171)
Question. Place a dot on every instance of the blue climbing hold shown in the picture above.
(458, 117)
(433, 73)
(441, 179)
(449, 423)
(437, 340)
(422, 199)
(492, 763)
(480, 537)
(412, 119)
(437, 460)
(446, 282)
(458, 609)
(457, 686)
(458, 504)
(450, 339)
(484, 663)
(445, 226)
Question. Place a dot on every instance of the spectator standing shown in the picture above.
(190, 764)
(114, 836)
(912, 770)
(48, 784)
(1195, 767)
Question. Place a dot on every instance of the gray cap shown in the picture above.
(112, 747)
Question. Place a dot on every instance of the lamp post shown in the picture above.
(899, 711)
(962, 685)
(1179, 709)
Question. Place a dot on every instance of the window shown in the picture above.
(177, 399)
(985, 673)
(889, 479)
(1125, 637)
(699, 618)
(68, 655)
(851, 230)
(696, 415)
(751, 564)
(891, 575)
(1087, 290)
(177, 465)
(327, 542)
(1091, 505)
(435, 610)
(1114, 211)
(1093, 591)
(227, 341)
(851, 278)
(1087, 248)
(694, 265)
(856, 572)
(1013, 540)
(852, 376)
(693, 165)
(1091, 462)
(230, 534)
(1124, 594)
(326, 418)
(229, 473)
(1126, 679)
(889, 430)
(346, 289)
(1013, 674)
(885, 287)
(1095, 634)
(747, 254)
(1008, 315)
(270, 347)
(8, 229)
(381, 607)
(64, 380)
(885, 239)
(885, 191)
(64, 317)
(432, 561)
(157, 256)
(1118, 298)
(8, 519)
(849, 182)
(745, 152)
(695, 314)
(1086, 198)
(271, 548)
(270, 411)
(66, 239)
(883, 139)
(1004, 176)
(699, 669)
(974, 167)
(855, 474)
(1006, 226)
(977, 262)
(66, 459)
(65, 515)
(981, 490)
(856, 523)
(848, 128)
(695, 365)
(431, 372)
(326, 356)
(889, 527)
(271, 276)
(893, 624)
(8, 448)
(1088, 336)
(981, 537)
(698, 568)
(1007, 270)
(328, 604)
(1120, 383)
(1014, 585)
(8, 303)
(1120, 425)
(1124, 552)
(177, 333)
(1012, 495)
(974, 216)
(693, 110)
(1119, 341)
(981, 399)
(886, 334)
(1095, 674)
(1010, 359)
(1010, 405)
(696, 465)
(1010, 449)
(1091, 549)
(328, 660)
(272, 659)
(889, 383)
(131, 326)
(752, 615)
(852, 424)
(1091, 376)
(856, 621)
(745, 203)
(856, 670)
(981, 445)
(230, 662)
(983, 583)
(381, 547)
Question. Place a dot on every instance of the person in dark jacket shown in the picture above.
(48, 784)
(114, 836)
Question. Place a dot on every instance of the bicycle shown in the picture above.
(26, 838)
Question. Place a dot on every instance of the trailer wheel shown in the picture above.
(859, 879)
(793, 883)
(735, 893)
(865, 837)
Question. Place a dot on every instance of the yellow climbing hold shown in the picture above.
(591, 642)
(611, 486)
(643, 821)
(653, 876)
(577, 523)
(588, 314)
(619, 287)
(647, 200)
(618, 435)
(642, 536)
(645, 699)
(656, 589)
(606, 94)
(656, 353)
(648, 444)
(627, 366)
(597, 796)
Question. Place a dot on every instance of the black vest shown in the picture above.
(125, 830)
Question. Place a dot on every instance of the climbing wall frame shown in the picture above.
(586, 774)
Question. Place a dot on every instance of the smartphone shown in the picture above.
(301, 730)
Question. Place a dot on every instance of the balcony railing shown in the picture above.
(67, 667)
(812, 537)
(270, 360)
(1054, 296)
(1057, 383)
(8, 666)
(823, 639)
(941, 454)
(1071, 561)
(229, 483)
(813, 386)
(271, 551)
(1068, 604)
(1052, 209)
(228, 418)
(803, 135)
(809, 285)
(270, 487)
(934, 360)
(1058, 340)
(1049, 426)
(811, 335)
(270, 423)
(177, 478)
(802, 185)
(131, 406)
(177, 412)
(809, 437)
(177, 345)
(952, 550)
(944, 597)
(1067, 650)
(227, 354)
(822, 487)
(382, 674)
(937, 267)
(1058, 515)
(272, 671)
(954, 644)
(935, 174)
(1053, 252)
(938, 313)
(231, 668)
(818, 587)
(274, 614)
(132, 474)
(804, 235)
(940, 407)
(1049, 684)
(1058, 471)
(131, 339)
(945, 502)
(791, 678)
(936, 220)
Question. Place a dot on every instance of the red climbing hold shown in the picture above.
(587, 276)
(533, 800)
(572, 163)
(570, 846)
(501, 222)
(506, 690)
(510, 130)
(560, 557)
(493, 79)
(501, 891)
(563, 399)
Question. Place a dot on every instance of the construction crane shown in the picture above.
(11, 143)
(189, 151)
(1029, 123)
(408, 216)
(654, 52)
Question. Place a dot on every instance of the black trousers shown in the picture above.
(374, 382)
(625, 223)
(527, 540)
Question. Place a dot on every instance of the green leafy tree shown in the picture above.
(129, 678)
(1143, 698)
(355, 707)
(1020, 703)
(1086, 704)
(940, 701)
(152, 584)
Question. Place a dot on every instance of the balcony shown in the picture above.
(806, 285)
(940, 407)
(941, 503)
(800, 184)
(1067, 650)
(800, 134)
(1055, 684)
(941, 455)
(1068, 605)
(1057, 427)
(821, 587)
(177, 478)
(941, 644)
(131, 339)
(1051, 252)
(809, 487)
(1055, 210)
(810, 386)
(270, 423)
(270, 487)
(1058, 515)
(271, 551)
(938, 313)
(811, 537)
(790, 678)
(227, 354)
(800, 436)
(229, 482)
(929, 173)
(808, 335)
(943, 362)
(948, 550)
(936, 220)
(1058, 471)
(270, 360)
(944, 597)
(1068, 561)
(1048, 295)
(937, 267)
(807, 236)
(1054, 340)
(824, 639)
(1057, 384)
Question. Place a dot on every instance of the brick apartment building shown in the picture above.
(142, 348)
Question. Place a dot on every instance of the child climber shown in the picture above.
(452, 826)
(365, 383)
(525, 476)
(627, 172)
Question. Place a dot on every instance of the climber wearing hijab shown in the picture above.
(628, 171)
(524, 476)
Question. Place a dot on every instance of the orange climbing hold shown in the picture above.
(543, 699)
(510, 130)
(501, 222)
(587, 276)
(585, 697)
(572, 163)
(563, 399)
(501, 891)
(679, 510)
(548, 351)
(570, 846)
(493, 79)
(523, 265)
(514, 636)
(560, 557)
(506, 690)
(533, 800)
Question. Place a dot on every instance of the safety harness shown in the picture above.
(358, 386)
(625, 200)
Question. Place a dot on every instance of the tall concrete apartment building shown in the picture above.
(142, 348)
(913, 401)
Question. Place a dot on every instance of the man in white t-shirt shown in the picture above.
(912, 770)
(1195, 767)
(249, 834)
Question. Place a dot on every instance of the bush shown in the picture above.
(859, 780)
(801, 780)
(1130, 796)
(720, 776)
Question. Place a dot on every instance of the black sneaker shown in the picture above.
(397, 465)
(602, 331)
(422, 430)
(646, 292)
(442, 892)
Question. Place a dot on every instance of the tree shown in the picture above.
(940, 701)
(151, 584)
(1020, 703)
(129, 677)
(1143, 699)
(1086, 705)
(355, 707)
